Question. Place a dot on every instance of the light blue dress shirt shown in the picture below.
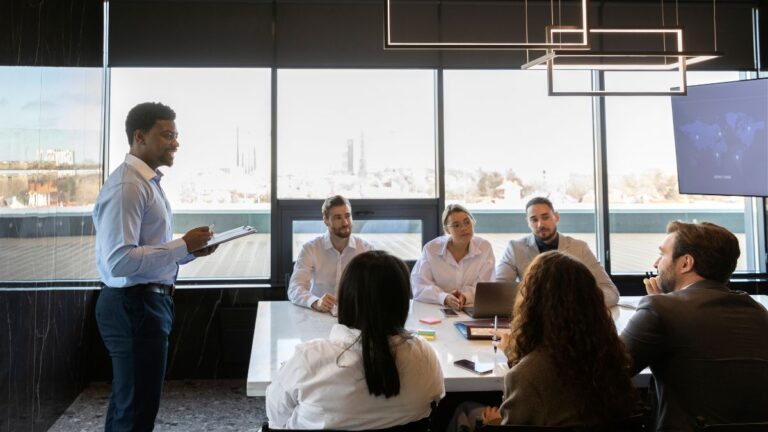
(134, 229)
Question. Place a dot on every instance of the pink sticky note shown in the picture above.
(430, 320)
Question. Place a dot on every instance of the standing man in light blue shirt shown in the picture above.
(138, 262)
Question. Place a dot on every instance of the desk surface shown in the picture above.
(280, 326)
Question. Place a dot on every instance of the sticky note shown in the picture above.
(430, 320)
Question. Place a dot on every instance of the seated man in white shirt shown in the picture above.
(542, 220)
(322, 260)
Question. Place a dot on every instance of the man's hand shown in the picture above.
(197, 238)
(491, 416)
(652, 285)
(324, 303)
(205, 251)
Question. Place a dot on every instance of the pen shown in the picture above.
(495, 327)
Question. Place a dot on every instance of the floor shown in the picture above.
(190, 405)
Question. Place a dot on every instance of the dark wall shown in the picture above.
(44, 342)
(51, 33)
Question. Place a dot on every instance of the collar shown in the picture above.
(144, 170)
(345, 336)
(544, 247)
(473, 248)
(327, 244)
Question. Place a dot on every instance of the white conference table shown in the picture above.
(280, 326)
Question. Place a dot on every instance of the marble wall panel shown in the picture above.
(43, 348)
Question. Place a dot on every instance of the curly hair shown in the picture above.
(559, 309)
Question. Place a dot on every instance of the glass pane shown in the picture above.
(221, 174)
(357, 133)
(642, 175)
(506, 141)
(50, 171)
(401, 238)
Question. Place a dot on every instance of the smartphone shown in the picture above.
(448, 312)
(480, 369)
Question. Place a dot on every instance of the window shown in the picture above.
(506, 141)
(642, 175)
(221, 174)
(50, 172)
(357, 133)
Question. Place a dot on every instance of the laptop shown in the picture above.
(493, 299)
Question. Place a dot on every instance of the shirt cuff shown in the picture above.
(311, 300)
(178, 248)
(441, 297)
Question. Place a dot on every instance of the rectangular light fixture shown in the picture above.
(673, 60)
(390, 43)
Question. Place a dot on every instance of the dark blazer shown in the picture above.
(707, 347)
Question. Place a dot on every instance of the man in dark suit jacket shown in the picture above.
(706, 345)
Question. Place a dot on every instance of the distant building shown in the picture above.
(43, 194)
(57, 156)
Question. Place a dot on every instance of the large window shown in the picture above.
(358, 133)
(642, 175)
(221, 174)
(506, 141)
(50, 171)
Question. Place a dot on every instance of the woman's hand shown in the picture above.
(503, 343)
(455, 300)
(491, 416)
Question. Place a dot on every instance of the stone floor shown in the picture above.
(197, 405)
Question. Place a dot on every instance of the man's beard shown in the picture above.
(666, 284)
(343, 232)
(549, 238)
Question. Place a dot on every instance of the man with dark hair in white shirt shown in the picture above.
(322, 260)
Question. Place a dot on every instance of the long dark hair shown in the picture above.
(560, 310)
(373, 297)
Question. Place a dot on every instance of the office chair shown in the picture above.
(417, 426)
(734, 427)
(635, 423)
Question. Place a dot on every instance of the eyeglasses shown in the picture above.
(457, 225)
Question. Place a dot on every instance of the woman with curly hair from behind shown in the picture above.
(568, 366)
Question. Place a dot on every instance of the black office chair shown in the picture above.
(734, 427)
(417, 426)
(635, 423)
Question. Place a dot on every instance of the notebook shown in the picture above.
(493, 299)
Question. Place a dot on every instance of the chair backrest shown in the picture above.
(417, 426)
(735, 427)
(635, 423)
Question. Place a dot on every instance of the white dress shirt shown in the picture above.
(437, 274)
(323, 385)
(319, 267)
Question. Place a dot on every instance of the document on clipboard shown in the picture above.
(223, 237)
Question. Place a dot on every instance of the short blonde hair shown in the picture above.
(455, 208)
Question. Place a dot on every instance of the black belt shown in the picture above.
(151, 287)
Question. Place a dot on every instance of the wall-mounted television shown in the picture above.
(721, 138)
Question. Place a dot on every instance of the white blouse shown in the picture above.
(437, 274)
(323, 385)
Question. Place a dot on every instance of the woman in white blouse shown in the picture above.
(451, 265)
(371, 373)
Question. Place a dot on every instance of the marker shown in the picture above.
(495, 327)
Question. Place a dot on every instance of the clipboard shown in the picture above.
(223, 237)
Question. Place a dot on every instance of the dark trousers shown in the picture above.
(134, 326)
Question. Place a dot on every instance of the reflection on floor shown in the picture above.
(197, 405)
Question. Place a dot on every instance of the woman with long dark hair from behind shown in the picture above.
(370, 373)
